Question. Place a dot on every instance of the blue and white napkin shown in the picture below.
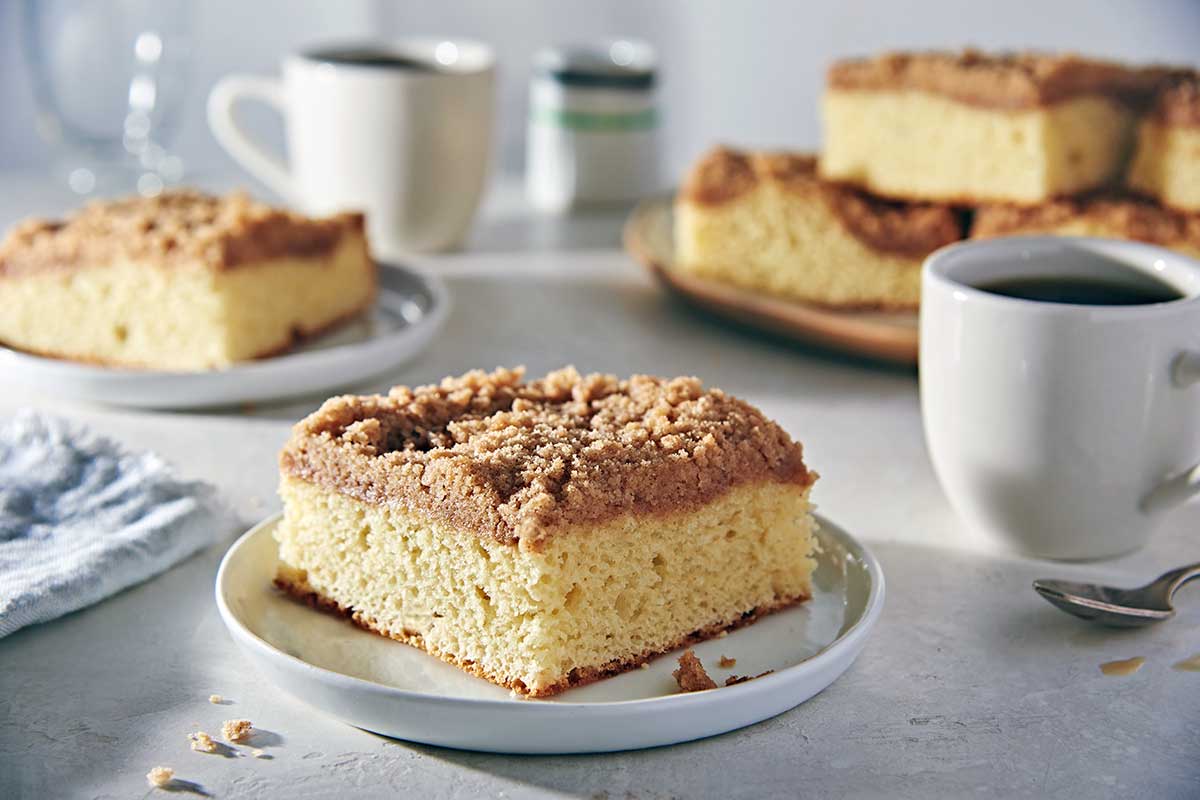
(81, 519)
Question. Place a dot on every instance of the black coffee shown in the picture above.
(370, 57)
(1086, 291)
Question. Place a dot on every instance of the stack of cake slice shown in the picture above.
(923, 149)
(1159, 201)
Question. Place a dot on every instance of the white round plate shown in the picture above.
(409, 310)
(396, 690)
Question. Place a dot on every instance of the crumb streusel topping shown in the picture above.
(1178, 102)
(513, 460)
(1125, 215)
(916, 229)
(174, 228)
(1000, 80)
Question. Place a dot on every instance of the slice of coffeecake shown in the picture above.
(969, 127)
(1166, 163)
(183, 281)
(1109, 215)
(767, 222)
(545, 534)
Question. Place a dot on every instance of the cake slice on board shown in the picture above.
(1166, 163)
(969, 127)
(768, 222)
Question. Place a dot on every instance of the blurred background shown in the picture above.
(747, 73)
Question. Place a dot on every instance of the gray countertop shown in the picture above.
(970, 685)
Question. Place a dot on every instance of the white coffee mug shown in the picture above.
(400, 130)
(1065, 430)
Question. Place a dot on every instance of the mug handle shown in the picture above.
(1185, 372)
(256, 160)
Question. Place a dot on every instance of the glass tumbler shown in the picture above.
(109, 78)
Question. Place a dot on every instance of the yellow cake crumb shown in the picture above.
(726, 662)
(160, 777)
(216, 699)
(202, 742)
(236, 730)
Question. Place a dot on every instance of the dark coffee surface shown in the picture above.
(371, 57)
(1085, 291)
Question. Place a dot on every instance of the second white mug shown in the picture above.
(1063, 428)
(401, 131)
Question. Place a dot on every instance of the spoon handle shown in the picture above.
(1178, 577)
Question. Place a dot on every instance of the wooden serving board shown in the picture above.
(649, 237)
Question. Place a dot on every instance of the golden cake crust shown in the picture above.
(911, 229)
(577, 677)
(1002, 81)
(516, 461)
(1126, 216)
(179, 227)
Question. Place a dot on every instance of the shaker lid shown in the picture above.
(607, 64)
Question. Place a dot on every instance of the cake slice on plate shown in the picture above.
(549, 533)
(767, 222)
(1109, 215)
(183, 281)
(969, 127)
(1166, 163)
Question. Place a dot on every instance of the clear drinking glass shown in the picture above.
(109, 79)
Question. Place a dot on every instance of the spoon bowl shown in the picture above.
(1121, 608)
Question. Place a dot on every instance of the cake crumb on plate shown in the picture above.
(160, 777)
(202, 742)
(236, 730)
(736, 679)
(726, 662)
(216, 699)
(691, 676)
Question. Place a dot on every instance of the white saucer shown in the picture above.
(410, 309)
(396, 690)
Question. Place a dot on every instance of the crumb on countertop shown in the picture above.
(691, 676)
(160, 777)
(726, 662)
(202, 742)
(236, 730)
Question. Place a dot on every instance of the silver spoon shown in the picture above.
(1121, 608)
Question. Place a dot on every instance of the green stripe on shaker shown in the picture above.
(596, 120)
